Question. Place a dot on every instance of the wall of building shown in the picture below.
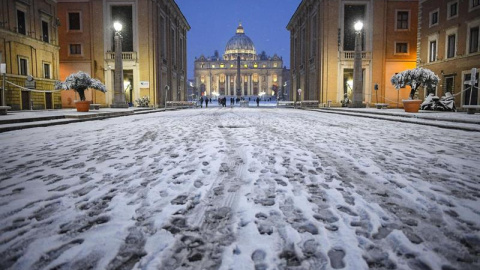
(463, 60)
(323, 74)
(157, 26)
(32, 46)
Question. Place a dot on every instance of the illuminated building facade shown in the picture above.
(29, 48)
(449, 46)
(259, 74)
(153, 49)
(322, 46)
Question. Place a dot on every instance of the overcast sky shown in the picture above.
(214, 22)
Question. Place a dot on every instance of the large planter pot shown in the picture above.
(410, 105)
(82, 106)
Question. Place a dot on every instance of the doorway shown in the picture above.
(48, 101)
(128, 86)
(26, 100)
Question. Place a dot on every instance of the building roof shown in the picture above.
(240, 43)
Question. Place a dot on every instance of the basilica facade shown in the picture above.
(239, 72)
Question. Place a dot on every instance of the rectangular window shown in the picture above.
(433, 51)
(473, 44)
(475, 3)
(401, 47)
(21, 22)
(352, 14)
(45, 35)
(449, 85)
(124, 14)
(402, 20)
(75, 49)
(434, 18)
(46, 71)
(74, 21)
(452, 9)
(22, 66)
(451, 46)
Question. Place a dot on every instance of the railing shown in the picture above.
(351, 55)
(125, 56)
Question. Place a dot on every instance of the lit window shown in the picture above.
(213, 66)
(222, 65)
(231, 65)
(255, 65)
(275, 65)
(255, 78)
(245, 66)
(433, 51)
(274, 77)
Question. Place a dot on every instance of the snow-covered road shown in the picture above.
(242, 188)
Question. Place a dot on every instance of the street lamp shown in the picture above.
(357, 67)
(166, 93)
(118, 95)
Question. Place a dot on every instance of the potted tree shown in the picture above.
(80, 82)
(415, 78)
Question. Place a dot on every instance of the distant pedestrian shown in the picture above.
(258, 101)
(201, 102)
(206, 103)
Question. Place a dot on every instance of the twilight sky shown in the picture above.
(214, 22)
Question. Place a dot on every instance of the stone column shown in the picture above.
(118, 95)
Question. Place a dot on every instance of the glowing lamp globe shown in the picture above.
(358, 26)
(117, 26)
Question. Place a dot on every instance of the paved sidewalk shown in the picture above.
(15, 120)
(452, 120)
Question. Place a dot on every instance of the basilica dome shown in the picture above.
(240, 45)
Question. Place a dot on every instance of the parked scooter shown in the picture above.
(432, 102)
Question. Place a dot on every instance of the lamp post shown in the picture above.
(118, 96)
(166, 94)
(357, 68)
(3, 71)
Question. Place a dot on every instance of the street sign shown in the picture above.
(144, 84)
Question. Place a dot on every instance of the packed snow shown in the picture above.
(240, 188)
